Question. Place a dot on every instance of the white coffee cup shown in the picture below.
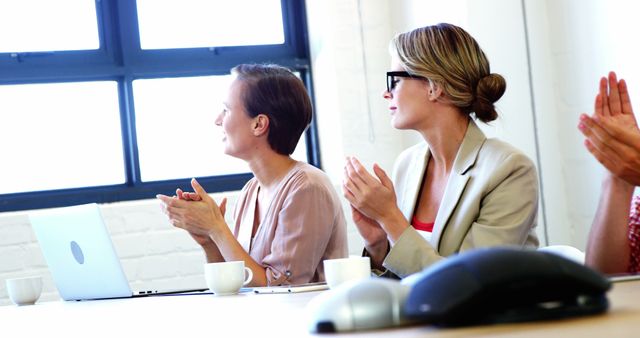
(226, 278)
(340, 270)
(24, 291)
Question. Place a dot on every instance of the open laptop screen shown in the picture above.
(78, 249)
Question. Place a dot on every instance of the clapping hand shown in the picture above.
(195, 212)
(613, 137)
(371, 196)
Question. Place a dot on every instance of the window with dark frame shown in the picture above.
(115, 100)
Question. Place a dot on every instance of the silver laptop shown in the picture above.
(81, 257)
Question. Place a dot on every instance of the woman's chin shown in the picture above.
(227, 151)
(398, 124)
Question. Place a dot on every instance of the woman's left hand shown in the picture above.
(373, 197)
(199, 216)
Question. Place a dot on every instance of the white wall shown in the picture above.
(349, 42)
(573, 43)
(570, 42)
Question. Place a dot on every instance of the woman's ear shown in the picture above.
(435, 91)
(260, 125)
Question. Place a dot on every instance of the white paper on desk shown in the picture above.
(292, 288)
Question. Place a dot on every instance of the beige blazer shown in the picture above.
(491, 199)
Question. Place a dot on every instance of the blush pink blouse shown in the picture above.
(634, 235)
(303, 225)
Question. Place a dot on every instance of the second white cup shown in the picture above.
(24, 291)
(226, 278)
(338, 271)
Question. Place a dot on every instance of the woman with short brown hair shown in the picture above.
(288, 218)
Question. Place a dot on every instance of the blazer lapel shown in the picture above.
(465, 159)
(413, 184)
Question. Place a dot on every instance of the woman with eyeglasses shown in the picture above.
(457, 190)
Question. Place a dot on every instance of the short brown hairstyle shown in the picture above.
(279, 94)
(451, 58)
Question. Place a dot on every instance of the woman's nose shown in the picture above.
(386, 94)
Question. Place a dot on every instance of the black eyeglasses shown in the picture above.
(391, 78)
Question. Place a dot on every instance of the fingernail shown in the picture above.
(581, 126)
(583, 117)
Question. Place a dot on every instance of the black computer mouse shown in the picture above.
(496, 285)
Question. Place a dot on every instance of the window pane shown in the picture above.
(171, 114)
(177, 135)
(209, 23)
(57, 136)
(37, 25)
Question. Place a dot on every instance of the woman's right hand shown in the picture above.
(374, 197)
(375, 238)
(203, 240)
(370, 230)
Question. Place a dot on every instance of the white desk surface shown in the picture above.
(273, 315)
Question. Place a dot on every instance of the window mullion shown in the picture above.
(129, 138)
